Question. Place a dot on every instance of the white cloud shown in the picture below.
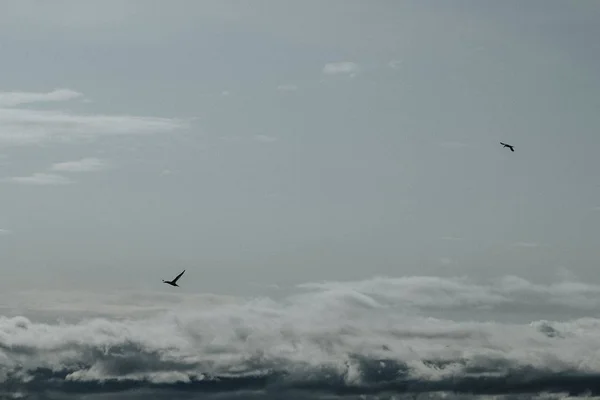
(83, 165)
(287, 87)
(21, 126)
(41, 178)
(18, 126)
(224, 93)
(265, 138)
(338, 337)
(345, 67)
(11, 99)
(423, 292)
(5, 232)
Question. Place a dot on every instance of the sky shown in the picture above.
(287, 142)
(295, 157)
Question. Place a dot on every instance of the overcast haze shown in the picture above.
(297, 141)
(269, 146)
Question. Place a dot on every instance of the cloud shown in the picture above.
(5, 232)
(395, 64)
(287, 88)
(436, 293)
(530, 245)
(265, 138)
(42, 179)
(111, 304)
(11, 99)
(21, 126)
(336, 340)
(340, 68)
(82, 165)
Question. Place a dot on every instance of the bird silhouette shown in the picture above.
(508, 145)
(174, 281)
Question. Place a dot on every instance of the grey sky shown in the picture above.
(279, 142)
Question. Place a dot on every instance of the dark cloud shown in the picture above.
(380, 378)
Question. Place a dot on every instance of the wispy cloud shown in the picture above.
(345, 67)
(530, 245)
(5, 231)
(265, 138)
(21, 126)
(49, 178)
(395, 64)
(116, 303)
(425, 292)
(83, 165)
(42, 179)
(11, 99)
(287, 88)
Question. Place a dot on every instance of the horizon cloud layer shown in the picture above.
(334, 339)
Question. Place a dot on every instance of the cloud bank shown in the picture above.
(336, 340)
(424, 293)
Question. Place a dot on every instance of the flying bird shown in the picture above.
(174, 281)
(508, 145)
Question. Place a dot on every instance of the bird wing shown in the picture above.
(503, 144)
(178, 276)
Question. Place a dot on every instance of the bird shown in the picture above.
(174, 281)
(508, 145)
